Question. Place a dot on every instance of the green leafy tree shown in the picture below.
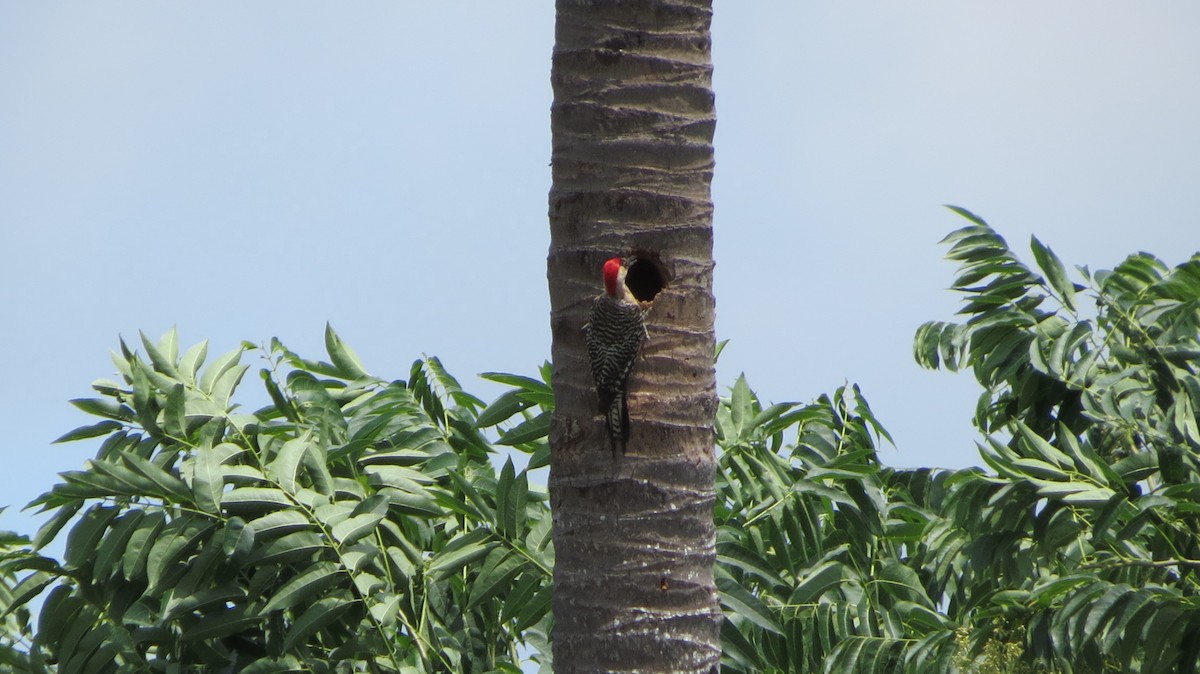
(354, 524)
(1089, 408)
(1077, 553)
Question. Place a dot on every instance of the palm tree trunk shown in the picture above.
(632, 124)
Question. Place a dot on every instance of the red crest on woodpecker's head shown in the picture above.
(612, 274)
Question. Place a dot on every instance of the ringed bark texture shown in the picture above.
(632, 124)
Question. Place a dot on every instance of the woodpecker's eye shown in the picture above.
(645, 278)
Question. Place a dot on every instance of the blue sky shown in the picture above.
(249, 170)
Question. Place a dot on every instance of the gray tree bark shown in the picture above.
(632, 124)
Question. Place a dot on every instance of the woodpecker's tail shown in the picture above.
(618, 421)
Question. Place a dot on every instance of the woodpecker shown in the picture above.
(614, 334)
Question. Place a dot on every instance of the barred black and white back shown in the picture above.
(614, 334)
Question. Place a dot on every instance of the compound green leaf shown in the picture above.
(464, 550)
(343, 357)
(737, 600)
(90, 431)
(302, 588)
(86, 535)
(255, 499)
(321, 614)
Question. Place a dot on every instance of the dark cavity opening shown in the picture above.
(645, 278)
